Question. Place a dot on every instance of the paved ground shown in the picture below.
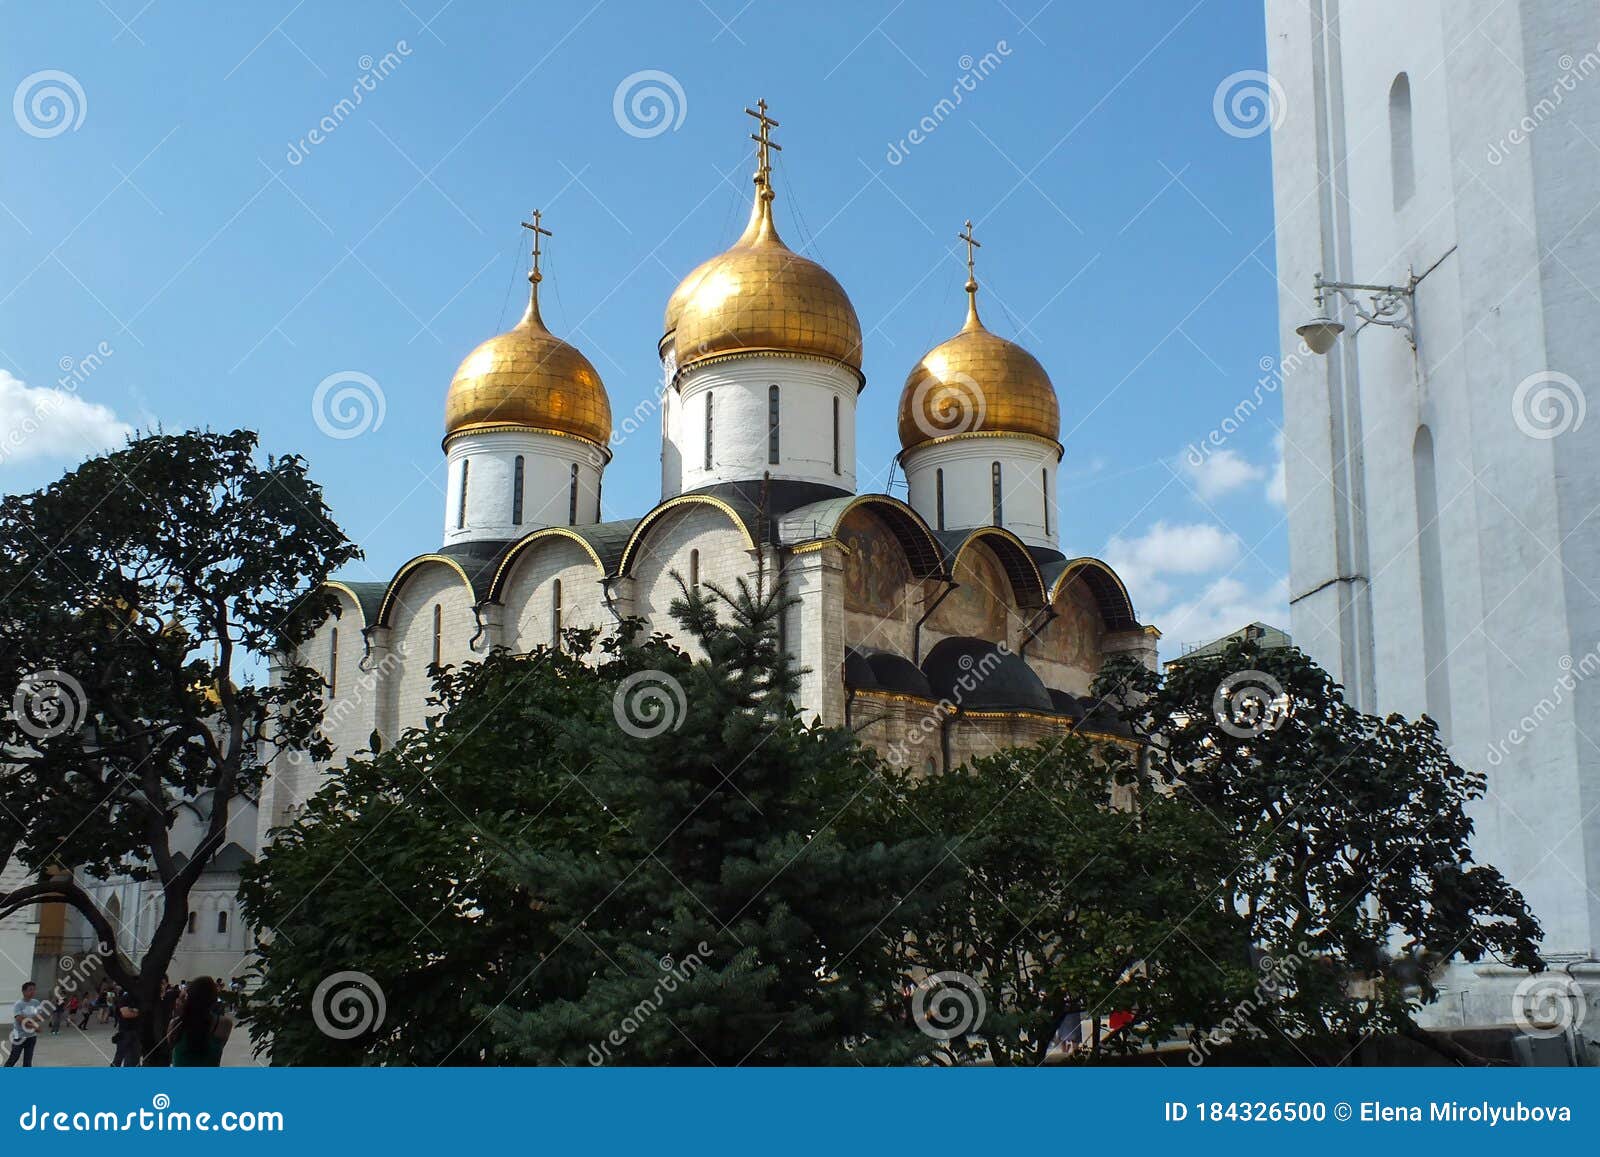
(92, 1048)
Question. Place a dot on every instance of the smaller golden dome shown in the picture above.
(760, 295)
(528, 378)
(977, 382)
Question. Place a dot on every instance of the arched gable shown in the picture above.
(1110, 594)
(630, 553)
(527, 542)
(408, 571)
(1027, 584)
(552, 583)
(819, 520)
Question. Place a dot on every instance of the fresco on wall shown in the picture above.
(977, 606)
(1073, 637)
(876, 572)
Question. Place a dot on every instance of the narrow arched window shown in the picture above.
(1044, 486)
(461, 511)
(938, 497)
(994, 495)
(772, 425)
(555, 614)
(1430, 559)
(836, 469)
(222, 921)
(438, 632)
(572, 497)
(517, 475)
(694, 570)
(1402, 159)
(194, 921)
(333, 663)
(599, 485)
(708, 430)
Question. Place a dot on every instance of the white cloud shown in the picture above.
(1169, 549)
(1221, 472)
(1222, 607)
(1277, 488)
(41, 422)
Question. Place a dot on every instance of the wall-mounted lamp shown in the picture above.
(1389, 305)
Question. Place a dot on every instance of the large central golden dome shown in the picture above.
(528, 379)
(761, 296)
(977, 383)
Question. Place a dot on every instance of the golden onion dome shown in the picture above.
(977, 382)
(527, 378)
(760, 295)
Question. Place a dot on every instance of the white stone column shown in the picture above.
(814, 628)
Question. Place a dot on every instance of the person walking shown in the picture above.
(201, 1026)
(24, 1027)
(86, 1008)
(127, 1037)
(57, 1011)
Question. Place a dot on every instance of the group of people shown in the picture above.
(187, 1026)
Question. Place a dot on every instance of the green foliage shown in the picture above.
(1353, 834)
(1074, 895)
(145, 582)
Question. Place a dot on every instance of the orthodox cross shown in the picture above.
(972, 243)
(763, 139)
(539, 233)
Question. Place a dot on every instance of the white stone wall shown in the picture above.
(739, 389)
(1516, 602)
(406, 691)
(1027, 483)
(725, 557)
(547, 484)
(529, 593)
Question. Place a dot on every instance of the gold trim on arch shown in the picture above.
(503, 570)
(335, 584)
(404, 572)
(944, 438)
(680, 500)
(518, 428)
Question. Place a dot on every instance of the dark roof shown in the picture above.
(897, 673)
(976, 675)
(858, 672)
(479, 559)
(368, 596)
(1067, 704)
(782, 495)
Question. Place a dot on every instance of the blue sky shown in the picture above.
(175, 247)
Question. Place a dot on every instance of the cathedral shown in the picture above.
(938, 628)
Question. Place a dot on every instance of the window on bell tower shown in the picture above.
(708, 430)
(994, 495)
(516, 492)
(572, 497)
(461, 510)
(836, 469)
(938, 497)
